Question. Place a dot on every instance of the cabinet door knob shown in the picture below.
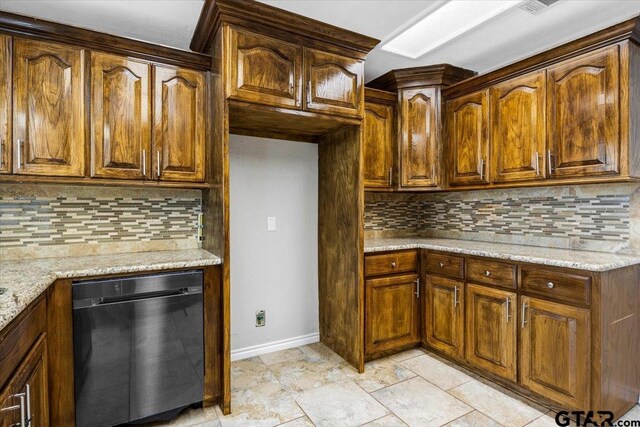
(441, 264)
(487, 273)
(393, 264)
(550, 285)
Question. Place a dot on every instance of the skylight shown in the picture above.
(444, 24)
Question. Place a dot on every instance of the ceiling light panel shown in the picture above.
(444, 24)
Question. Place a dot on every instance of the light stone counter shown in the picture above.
(582, 260)
(25, 280)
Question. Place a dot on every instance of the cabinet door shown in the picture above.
(120, 117)
(30, 380)
(48, 111)
(5, 104)
(334, 83)
(265, 70)
(179, 126)
(583, 122)
(467, 120)
(491, 330)
(555, 351)
(378, 145)
(518, 129)
(391, 316)
(444, 315)
(418, 138)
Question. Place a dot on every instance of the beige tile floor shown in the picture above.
(312, 386)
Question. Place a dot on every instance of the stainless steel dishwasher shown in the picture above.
(138, 347)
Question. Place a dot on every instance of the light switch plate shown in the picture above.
(260, 319)
(271, 223)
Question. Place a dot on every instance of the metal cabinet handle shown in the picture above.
(507, 309)
(28, 393)
(482, 170)
(308, 92)
(389, 179)
(524, 314)
(19, 154)
(393, 264)
(418, 287)
(442, 265)
(537, 164)
(551, 285)
(144, 162)
(158, 162)
(455, 297)
(487, 273)
(549, 167)
(1, 157)
(20, 406)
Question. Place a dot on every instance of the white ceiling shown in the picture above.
(514, 35)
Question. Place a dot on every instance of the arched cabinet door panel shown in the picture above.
(418, 138)
(467, 121)
(334, 83)
(518, 129)
(179, 124)
(120, 118)
(48, 111)
(583, 115)
(264, 70)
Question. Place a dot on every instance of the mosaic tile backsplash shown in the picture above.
(48, 216)
(588, 217)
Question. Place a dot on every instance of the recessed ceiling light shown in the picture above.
(445, 23)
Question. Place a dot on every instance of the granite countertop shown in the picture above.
(24, 280)
(567, 258)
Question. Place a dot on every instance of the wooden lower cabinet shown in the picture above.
(391, 313)
(555, 344)
(491, 330)
(443, 318)
(27, 393)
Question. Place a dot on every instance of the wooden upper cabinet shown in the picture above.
(419, 138)
(179, 124)
(334, 83)
(518, 129)
(5, 104)
(443, 320)
(491, 320)
(379, 138)
(120, 117)
(264, 70)
(48, 110)
(467, 121)
(583, 115)
(555, 352)
(392, 313)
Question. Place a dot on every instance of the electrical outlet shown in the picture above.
(271, 223)
(260, 319)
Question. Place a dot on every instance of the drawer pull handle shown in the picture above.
(550, 285)
(487, 273)
(441, 264)
(393, 264)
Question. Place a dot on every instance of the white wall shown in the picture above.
(275, 271)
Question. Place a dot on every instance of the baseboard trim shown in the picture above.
(270, 347)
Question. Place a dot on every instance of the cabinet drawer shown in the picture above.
(560, 285)
(395, 262)
(444, 265)
(491, 272)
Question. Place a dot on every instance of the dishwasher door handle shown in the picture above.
(148, 296)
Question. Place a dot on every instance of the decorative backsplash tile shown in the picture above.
(40, 218)
(596, 217)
